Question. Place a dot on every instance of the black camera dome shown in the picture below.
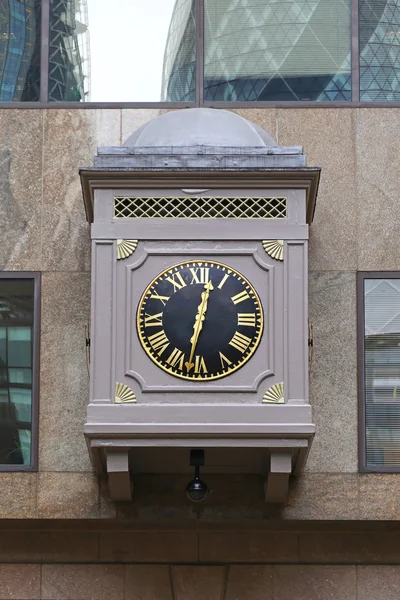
(196, 490)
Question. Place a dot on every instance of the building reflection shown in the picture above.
(69, 54)
(16, 337)
(292, 50)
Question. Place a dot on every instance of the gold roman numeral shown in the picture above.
(224, 360)
(153, 320)
(199, 365)
(200, 275)
(159, 341)
(240, 342)
(176, 358)
(179, 283)
(240, 297)
(247, 319)
(163, 299)
(221, 283)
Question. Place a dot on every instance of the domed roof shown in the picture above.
(200, 127)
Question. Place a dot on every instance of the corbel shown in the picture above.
(277, 481)
(119, 476)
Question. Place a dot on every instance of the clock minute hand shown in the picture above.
(198, 323)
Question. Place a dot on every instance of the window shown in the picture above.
(19, 370)
(20, 28)
(279, 51)
(199, 52)
(379, 371)
(379, 50)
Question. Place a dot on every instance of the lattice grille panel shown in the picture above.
(200, 208)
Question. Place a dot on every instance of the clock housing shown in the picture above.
(222, 368)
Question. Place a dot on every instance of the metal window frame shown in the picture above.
(362, 449)
(199, 102)
(36, 277)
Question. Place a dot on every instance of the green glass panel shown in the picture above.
(264, 50)
(16, 318)
(19, 346)
(23, 376)
(379, 33)
(22, 399)
(25, 444)
(20, 50)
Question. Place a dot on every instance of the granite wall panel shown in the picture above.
(203, 582)
(64, 372)
(309, 582)
(21, 173)
(148, 582)
(378, 180)
(149, 546)
(70, 141)
(68, 496)
(333, 372)
(199, 583)
(329, 140)
(82, 582)
(20, 581)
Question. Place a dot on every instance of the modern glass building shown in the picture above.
(286, 51)
(69, 61)
(20, 55)
(19, 50)
(179, 69)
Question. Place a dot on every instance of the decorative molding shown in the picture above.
(125, 248)
(200, 207)
(123, 394)
(275, 395)
(274, 248)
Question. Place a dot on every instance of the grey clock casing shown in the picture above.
(170, 414)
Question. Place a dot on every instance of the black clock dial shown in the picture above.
(200, 320)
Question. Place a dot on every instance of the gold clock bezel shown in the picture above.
(201, 262)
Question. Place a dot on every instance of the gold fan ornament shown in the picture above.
(123, 394)
(274, 395)
(274, 248)
(125, 248)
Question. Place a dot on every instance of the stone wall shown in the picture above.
(67, 562)
(44, 229)
(176, 582)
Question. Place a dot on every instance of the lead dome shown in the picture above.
(200, 127)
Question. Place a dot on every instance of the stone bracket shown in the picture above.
(119, 476)
(277, 481)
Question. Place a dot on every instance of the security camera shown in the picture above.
(196, 489)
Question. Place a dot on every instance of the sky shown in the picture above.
(127, 43)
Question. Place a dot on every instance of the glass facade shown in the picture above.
(284, 51)
(100, 53)
(382, 372)
(250, 50)
(379, 50)
(69, 51)
(19, 50)
(16, 370)
(179, 69)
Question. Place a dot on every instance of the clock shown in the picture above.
(200, 320)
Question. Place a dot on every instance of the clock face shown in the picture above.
(200, 320)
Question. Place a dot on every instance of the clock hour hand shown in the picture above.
(198, 323)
